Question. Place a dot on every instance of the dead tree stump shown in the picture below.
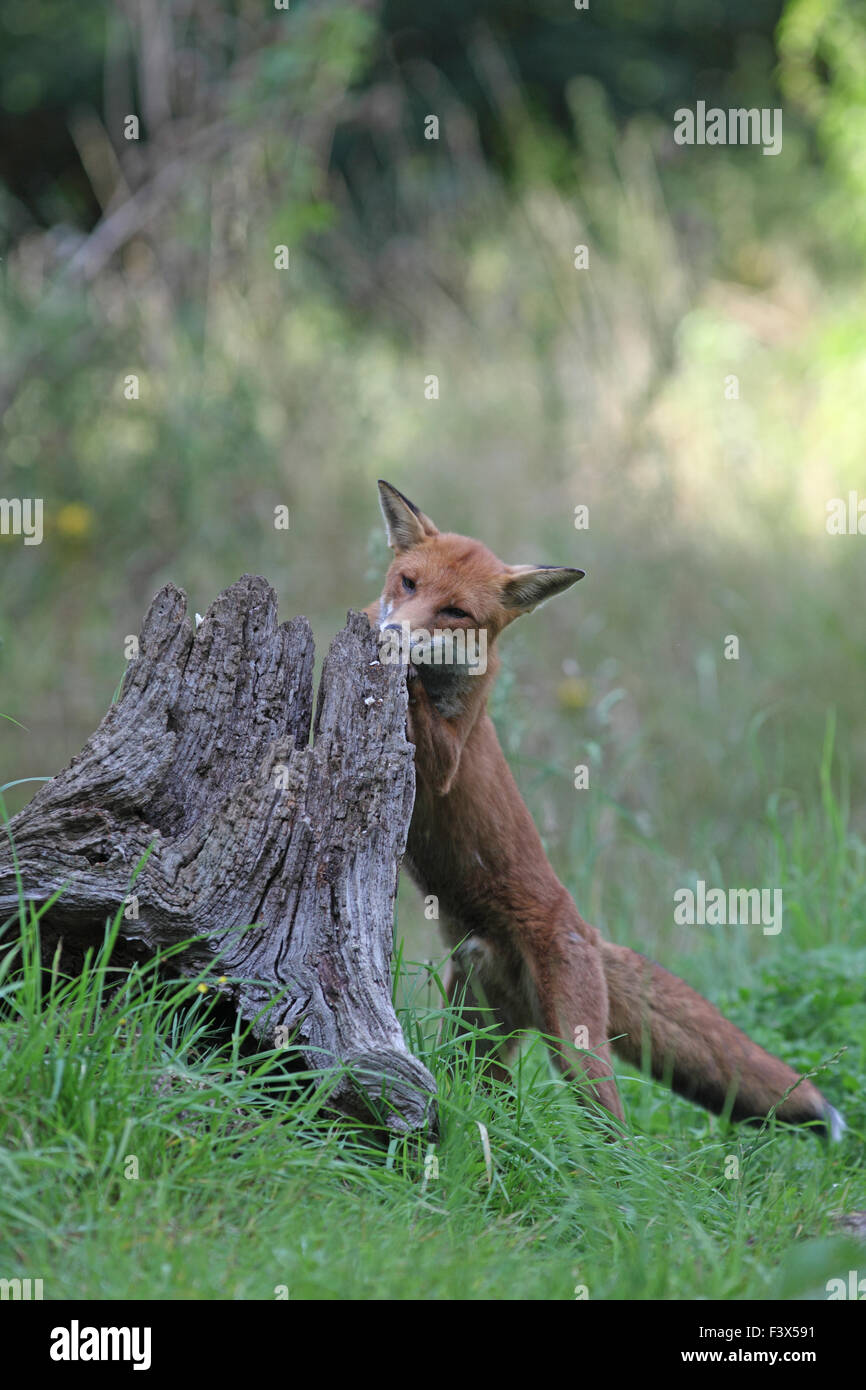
(206, 757)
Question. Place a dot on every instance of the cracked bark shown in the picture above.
(206, 758)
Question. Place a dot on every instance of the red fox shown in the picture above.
(520, 950)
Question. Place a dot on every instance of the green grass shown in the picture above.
(145, 1155)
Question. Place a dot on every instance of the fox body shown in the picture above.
(521, 953)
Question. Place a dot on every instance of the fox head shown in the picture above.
(439, 581)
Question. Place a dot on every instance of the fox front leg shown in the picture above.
(573, 1007)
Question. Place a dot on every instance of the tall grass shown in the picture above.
(146, 1153)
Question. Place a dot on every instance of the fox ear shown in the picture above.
(406, 526)
(525, 586)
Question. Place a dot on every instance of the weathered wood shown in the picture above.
(206, 757)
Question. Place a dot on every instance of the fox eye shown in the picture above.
(408, 584)
(455, 613)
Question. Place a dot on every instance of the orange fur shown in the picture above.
(520, 947)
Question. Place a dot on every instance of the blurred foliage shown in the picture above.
(822, 48)
(155, 258)
(646, 55)
(51, 61)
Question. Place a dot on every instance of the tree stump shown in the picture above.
(206, 757)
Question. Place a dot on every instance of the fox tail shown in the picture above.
(657, 1021)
